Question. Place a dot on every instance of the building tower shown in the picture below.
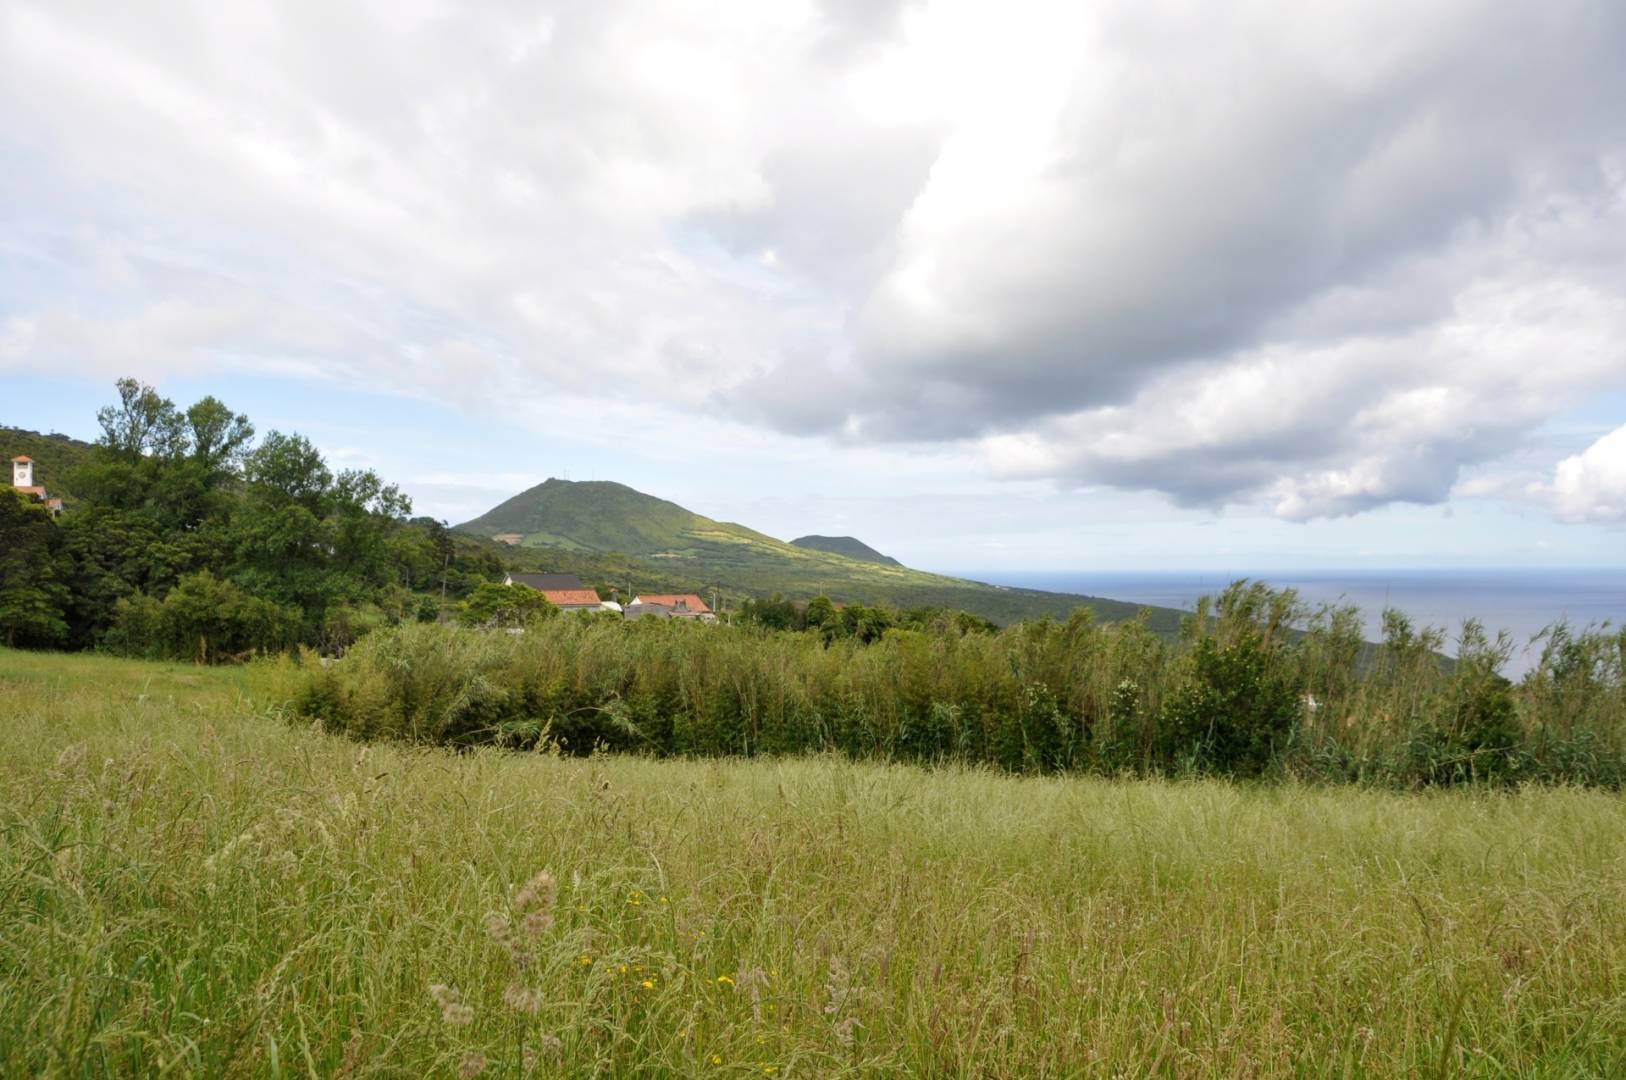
(22, 472)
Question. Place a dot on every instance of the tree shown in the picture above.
(142, 424)
(492, 606)
(219, 440)
(867, 624)
(367, 513)
(33, 591)
(180, 513)
(774, 612)
(202, 619)
(823, 618)
(117, 553)
(288, 469)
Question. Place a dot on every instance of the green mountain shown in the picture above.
(599, 515)
(850, 546)
(611, 535)
(54, 457)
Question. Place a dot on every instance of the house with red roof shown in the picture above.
(564, 591)
(670, 606)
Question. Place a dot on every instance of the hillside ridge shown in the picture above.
(850, 546)
(55, 457)
(568, 521)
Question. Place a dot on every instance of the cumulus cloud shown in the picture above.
(1342, 427)
(1312, 256)
(1591, 485)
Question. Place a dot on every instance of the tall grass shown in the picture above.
(190, 886)
(1257, 685)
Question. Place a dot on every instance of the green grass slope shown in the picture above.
(850, 546)
(54, 456)
(194, 887)
(661, 538)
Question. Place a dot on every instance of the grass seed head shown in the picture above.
(452, 1010)
(537, 894)
(523, 999)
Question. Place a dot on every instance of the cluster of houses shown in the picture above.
(22, 478)
(566, 592)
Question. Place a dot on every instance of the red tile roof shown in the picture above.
(572, 597)
(23, 457)
(684, 602)
(36, 490)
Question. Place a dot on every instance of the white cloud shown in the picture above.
(1591, 485)
(1316, 257)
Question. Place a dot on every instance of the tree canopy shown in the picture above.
(194, 540)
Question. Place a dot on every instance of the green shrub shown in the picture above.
(1256, 686)
(492, 606)
(1239, 704)
(203, 619)
(1233, 716)
(1475, 733)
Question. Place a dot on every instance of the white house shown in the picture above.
(22, 478)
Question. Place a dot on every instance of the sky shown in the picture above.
(1136, 284)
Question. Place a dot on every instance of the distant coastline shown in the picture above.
(1520, 601)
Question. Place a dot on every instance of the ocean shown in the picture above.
(1522, 602)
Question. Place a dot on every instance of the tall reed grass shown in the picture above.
(1257, 685)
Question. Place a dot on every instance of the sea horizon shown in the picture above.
(1521, 601)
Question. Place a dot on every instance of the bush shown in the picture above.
(1234, 715)
(203, 619)
(1475, 734)
(492, 606)
(1256, 686)
(1239, 704)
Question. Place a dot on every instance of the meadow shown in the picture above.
(192, 882)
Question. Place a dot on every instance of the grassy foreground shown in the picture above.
(189, 885)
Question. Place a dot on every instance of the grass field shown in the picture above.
(191, 886)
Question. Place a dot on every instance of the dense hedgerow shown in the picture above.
(1257, 686)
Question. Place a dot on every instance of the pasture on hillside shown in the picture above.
(192, 884)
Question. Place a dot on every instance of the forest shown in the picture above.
(189, 539)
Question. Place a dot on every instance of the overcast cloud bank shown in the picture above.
(1316, 258)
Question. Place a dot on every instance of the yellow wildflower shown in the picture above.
(648, 984)
(725, 980)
